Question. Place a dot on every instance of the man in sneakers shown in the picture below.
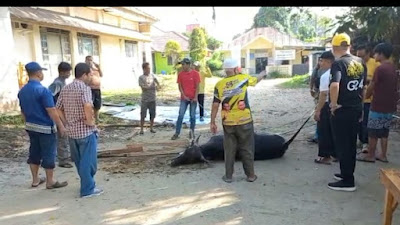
(188, 84)
(346, 93)
(149, 84)
(237, 120)
(64, 71)
(41, 118)
(75, 105)
(384, 103)
(326, 151)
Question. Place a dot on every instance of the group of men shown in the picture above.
(346, 108)
(60, 120)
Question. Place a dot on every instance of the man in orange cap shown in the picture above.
(347, 89)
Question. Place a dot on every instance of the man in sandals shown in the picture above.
(322, 113)
(384, 88)
(149, 83)
(75, 106)
(41, 118)
(64, 72)
(237, 121)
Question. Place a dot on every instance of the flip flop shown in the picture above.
(226, 179)
(320, 161)
(382, 160)
(141, 133)
(58, 185)
(65, 165)
(41, 181)
(251, 180)
(153, 131)
(362, 158)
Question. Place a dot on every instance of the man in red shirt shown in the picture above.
(384, 88)
(188, 83)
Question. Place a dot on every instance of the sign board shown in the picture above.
(261, 55)
(285, 54)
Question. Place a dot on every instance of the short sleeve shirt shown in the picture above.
(385, 89)
(371, 67)
(34, 98)
(189, 80)
(351, 74)
(71, 100)
(148, 83)
(324, 82)
(231, 92)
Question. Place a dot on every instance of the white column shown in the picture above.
(75, 57)
(36, 44)
(8, 66)
(248, 60)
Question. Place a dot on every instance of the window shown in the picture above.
(169, 60)
(88, 45)
(285, 62)
(130, 49)
(243, 62)
(55, 42)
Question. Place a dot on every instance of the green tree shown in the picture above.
(373, 24)
(276, 17)
(198, 44)
(213, 43)
(173, 50)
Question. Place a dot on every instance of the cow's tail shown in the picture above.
(287, 143)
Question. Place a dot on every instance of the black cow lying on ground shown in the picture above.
(267, 146)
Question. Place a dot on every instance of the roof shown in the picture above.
(159, 41)
(272, 34)
(46, 17)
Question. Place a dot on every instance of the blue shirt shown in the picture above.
(34, 98)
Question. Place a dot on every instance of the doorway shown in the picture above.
(261, 63)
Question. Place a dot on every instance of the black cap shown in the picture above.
(185, 61)
(327, 55)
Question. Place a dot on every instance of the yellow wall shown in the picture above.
(259, 43)
(298, 57)
(110, 20)
(56, 9)
(85, 13)
(128, 24)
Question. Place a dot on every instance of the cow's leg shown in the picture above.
(230, 145)
(246, 148)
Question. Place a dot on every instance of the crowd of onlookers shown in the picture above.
(355, 96)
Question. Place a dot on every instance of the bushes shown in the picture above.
(277, 74)
(216, 61)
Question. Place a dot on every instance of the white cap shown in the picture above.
(230, 63)
(197, 63)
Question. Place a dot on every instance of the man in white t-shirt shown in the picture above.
(322, 113)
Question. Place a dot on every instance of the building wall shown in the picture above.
(85, 13)
(56, 9)
(23, 46)
(8, 65)
(162, 63)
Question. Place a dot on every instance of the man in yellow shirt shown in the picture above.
(205, 72)
(237, 121)
(364, 53)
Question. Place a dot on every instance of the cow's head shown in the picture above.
(192, 154)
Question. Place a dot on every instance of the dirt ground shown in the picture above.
(146, 190)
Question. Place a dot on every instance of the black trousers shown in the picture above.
(345, 129)
(200, 98)
(326, 147)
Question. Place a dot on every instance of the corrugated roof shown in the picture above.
(47, 17)
(159, 41)
(270, 33)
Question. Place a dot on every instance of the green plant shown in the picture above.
(173, 49)
(278, 74)
(198, 44)
(297, 81)
(216, 61)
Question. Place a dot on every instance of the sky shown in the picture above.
(229, 20)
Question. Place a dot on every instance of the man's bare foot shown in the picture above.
(251, 178)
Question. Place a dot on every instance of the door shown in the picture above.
(261, 63)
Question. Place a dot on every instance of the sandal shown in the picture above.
(251, 179)
(363, 158)
(153, 131)
(41, 181)
(65, 165)
(322, 161)
(176, 136)
(382, 160)
(58, 185)
(227, 180)
(141, 132)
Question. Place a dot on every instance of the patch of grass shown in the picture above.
(14, 120)
(298, 81)
(277, 74)
(109, 119)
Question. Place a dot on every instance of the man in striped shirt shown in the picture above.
(39, 114)
(75, 106)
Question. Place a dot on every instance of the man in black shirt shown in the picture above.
(346, 95)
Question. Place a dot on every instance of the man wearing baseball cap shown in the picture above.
(346, 92)
(188, 84)
(41, 117)
(237, 121)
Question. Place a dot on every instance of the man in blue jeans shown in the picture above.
(75, 106)
(188, 83)
(39, 114)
